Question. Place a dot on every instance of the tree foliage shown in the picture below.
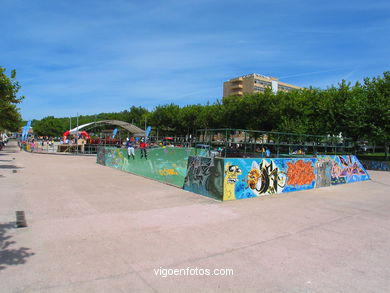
(48, 126)
(359, 111)
(10, 118)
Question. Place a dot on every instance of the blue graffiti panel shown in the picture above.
(346, 169)
(246, 178)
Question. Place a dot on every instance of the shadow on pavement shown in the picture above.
(10, 256)
(10, 167)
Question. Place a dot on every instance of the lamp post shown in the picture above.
(77, 135)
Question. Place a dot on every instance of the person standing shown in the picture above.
(142, 146)
(267, 153)
(130, 149)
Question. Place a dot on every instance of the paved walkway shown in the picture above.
(97, 229)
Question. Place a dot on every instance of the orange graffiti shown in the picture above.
(168, 172)
(300, 173)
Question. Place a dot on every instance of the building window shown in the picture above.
(265, 83)
(286, 88)
(259, 89)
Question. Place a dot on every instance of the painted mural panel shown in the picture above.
(245, 178)
(204, 176)
(376, 165)
(168, 165)
(324, 168)
(346, 169)
(100, 156)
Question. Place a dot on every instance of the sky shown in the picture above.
(93, 56)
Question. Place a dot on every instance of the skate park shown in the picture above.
(224, 164)
(243, 174)
(139, 215)
(107, 228)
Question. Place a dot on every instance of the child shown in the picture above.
(142, 146)
(130, 149)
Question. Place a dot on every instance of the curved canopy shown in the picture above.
(134, 130)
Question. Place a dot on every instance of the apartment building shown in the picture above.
(253, 83)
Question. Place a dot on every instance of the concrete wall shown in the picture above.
(232, 179)
(345, 169)
(246, 178)
(168, 165)
(205, 176)
(376, 165)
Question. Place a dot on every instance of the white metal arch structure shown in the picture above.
(134, 130)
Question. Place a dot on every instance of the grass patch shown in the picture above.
(373, 157)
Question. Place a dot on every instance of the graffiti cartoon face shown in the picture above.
(231, 177)
(265, 178)
(253, 178)
(232, 172)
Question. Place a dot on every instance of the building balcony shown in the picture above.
(237, 86)
(237, 93)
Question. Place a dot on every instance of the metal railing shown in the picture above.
(254, 142)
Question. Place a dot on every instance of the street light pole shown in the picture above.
(77, 135)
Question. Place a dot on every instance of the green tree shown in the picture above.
(49, 126)
(378, 109)
(165, 117)
(136, 116)
(10, 118)
(189, 117)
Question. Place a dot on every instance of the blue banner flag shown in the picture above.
(25, 130)
(147, 131)
(114, 132)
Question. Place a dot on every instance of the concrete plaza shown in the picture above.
(96, 229)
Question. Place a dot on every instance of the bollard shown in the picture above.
(20, 219)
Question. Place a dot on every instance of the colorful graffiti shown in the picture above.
(231, 177)
(168, 165)
(300, 173)
(267, 176)
(376, 165)
(346, 169)
(168, 172)
(205, 176)
(235, 178)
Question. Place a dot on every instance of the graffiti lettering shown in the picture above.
(345, 170)
(168, 172)
(300, 173)
(265, 178)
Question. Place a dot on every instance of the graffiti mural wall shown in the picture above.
(376, 165)
(168, 165)
(100, 159)
(205, 176)
(232, 179)
(324, 169)
(345, 169)
(245, 178)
